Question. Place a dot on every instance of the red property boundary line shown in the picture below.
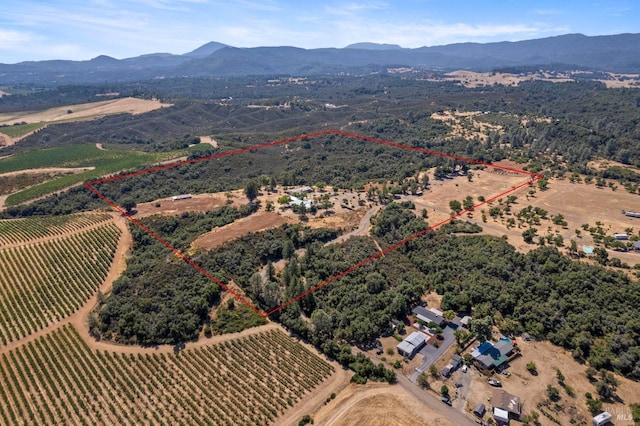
(532, 177)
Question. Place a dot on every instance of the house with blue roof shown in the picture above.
(489, 356)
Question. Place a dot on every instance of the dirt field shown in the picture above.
(83, 111)
(209, 140)
(376, 404)
(259, 221)
(199, 203)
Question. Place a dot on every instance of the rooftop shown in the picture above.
(504, 400)
(427, 315)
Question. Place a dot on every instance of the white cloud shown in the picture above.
(9, 38)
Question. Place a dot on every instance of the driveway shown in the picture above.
(431, 354)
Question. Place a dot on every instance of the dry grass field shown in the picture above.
(478, 79)
(80, 112)
(379, 405)
(83, 111)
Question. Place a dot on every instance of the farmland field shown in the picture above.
(51, 267)
(59, 379)
(101, 161)
(83, 111)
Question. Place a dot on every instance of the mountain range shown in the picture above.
(612, 53)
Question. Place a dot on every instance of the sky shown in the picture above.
(84, 29)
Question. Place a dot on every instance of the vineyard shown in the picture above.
(58, 379)
(24, 230)
(50, 268)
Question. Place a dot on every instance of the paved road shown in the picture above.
(431, 354)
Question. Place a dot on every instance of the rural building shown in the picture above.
(505, 401)
(296, 202)
(412, 344)
(488, 356)
(480, 410)
(602, 419)
(428, 315)
(465, 321)
(454, 364)
(501, 416)
(181, 197)
(636, 245)
(631, 214)
(456, 361)
(621, 237)
(447, 370)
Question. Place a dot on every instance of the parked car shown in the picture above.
(379, 351)
(459, 384)
(496, 383)
(446, 400)
(464, 368)
(506, 373)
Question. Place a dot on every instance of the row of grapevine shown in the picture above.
(46, 281)
(58, 379)
(16, 231)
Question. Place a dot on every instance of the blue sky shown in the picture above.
(83, 29)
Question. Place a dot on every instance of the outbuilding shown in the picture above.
(501, 416)
(181, 197)
(412, 344)
(602, 419)
(480, 410)
(509, 403)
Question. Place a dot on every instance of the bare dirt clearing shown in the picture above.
(83, 111)
(376, 404)
(259, 221)
(48, 170)
(198, 203)
(209, 140)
